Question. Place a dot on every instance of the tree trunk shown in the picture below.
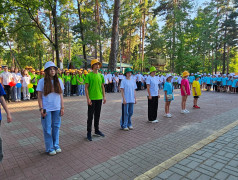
(143, 39)
(227, 59)
(115, 35)
(56, 33)
(96, 30)
(99, 30)
(82, 35)
(224, 52)
(51, 37)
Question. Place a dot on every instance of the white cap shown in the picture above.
(50, 64)
(168, 75)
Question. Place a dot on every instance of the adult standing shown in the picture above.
(139, 81)
(51, 104)
(153, 95)
(16, 89)
(95, 92)
(6, 78)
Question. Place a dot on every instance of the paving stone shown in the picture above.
(175, 176)
(218, 165)
(165, 174)
(193, 175)
(209, 162)
(231, 178)
(221, 175)
(233, 163)
(192, 164)
(204, 177)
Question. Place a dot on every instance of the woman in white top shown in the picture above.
(115, 82)
(50, 99)
(17, 89)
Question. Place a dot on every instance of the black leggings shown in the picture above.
(94, 111)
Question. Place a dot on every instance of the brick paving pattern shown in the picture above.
(218, 160)
(120, 155)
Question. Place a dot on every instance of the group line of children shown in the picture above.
(52, 86)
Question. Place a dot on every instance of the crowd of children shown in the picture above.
(52, 83)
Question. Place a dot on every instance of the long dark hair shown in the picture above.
(48, 88)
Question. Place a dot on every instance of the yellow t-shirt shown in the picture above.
(196, 85)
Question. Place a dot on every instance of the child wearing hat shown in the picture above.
(95, 93)
(196, 92)
(128, 87)
(34, 81)
(168, 94)
(51, 104)
(185, 92)
(153, 95)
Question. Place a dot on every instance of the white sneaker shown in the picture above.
(131, 128)
(165, 115)
(126, 129)
(168, 115)
(58, 150)
(183, 111)
(52, 153)
(187, 111)
(155, 121)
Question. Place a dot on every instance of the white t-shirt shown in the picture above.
(121, 76)
(26, 80)
(109, 76)
(7, 77)
(139, 77)
(105, 79)
(154, 88)
(129, 87)
(52, 101)
(17, 77)
(115, 79)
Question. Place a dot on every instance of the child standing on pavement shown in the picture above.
(196, 92)
(153, 95)
(51, 104)
(185, 91)
(168, 94)
(9, 118)
(128, 87)
(25, 81)
(95, 92)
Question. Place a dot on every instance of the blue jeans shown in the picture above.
(83, 89)
(51, 124)
(67, 88)
(80, 90)
(115, 85)
(17, 93)
(127, 112)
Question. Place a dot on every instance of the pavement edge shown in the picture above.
(152, 173)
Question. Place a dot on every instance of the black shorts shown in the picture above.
(218, 83)
(209, 85)
(195, 97)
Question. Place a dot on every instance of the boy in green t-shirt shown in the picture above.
(67, 83)
(95, 92)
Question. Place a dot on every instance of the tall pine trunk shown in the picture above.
(82, 35)
(56, 33)
(115, 36)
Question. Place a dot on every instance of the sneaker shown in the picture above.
(131, 128)
(99, 133)
(89, 136)
(168, 115)
(58, 150)
(52, 153)
(165, 115)
(126, 129)
(197, 107)
(155, 121)
(183, 111)
(187, 111)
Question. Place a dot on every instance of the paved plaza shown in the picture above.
(125, 155)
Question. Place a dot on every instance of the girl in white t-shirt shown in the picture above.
(128, 87)
(17, 90)
(115, 82)
(25, 80)
(50, 99)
